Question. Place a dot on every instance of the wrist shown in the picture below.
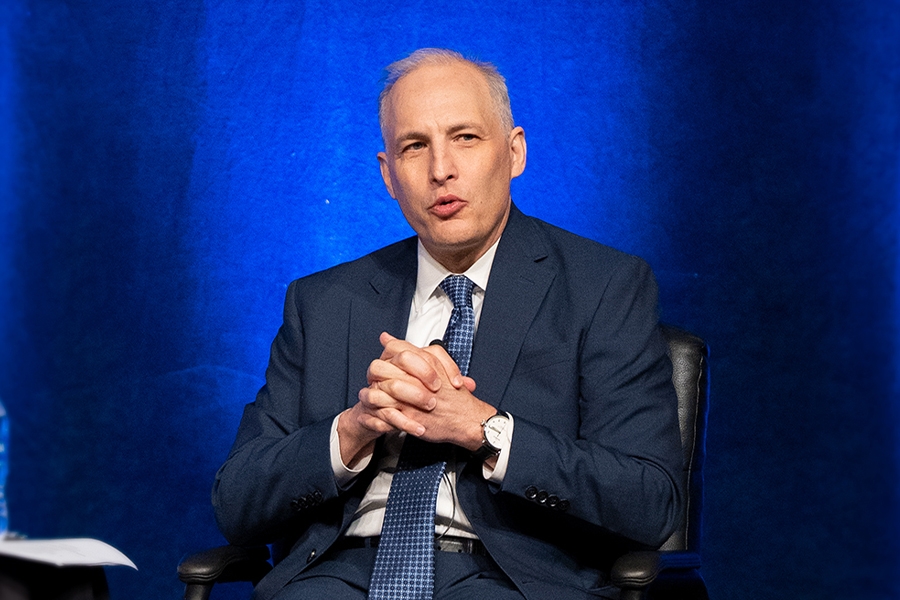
(355, 440)
(475, 429)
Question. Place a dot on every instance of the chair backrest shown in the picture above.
(690, 375)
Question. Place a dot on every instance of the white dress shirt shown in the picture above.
(428, 318)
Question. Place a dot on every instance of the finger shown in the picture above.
(395, 393)
(373, 399)
(409, 392)
(392, 345)
(386, 338)
(397, 382)
(374, 423)
(423, 366)
(401, 422)
(413, 360)
(382, 370)
(407, 356)
(451, 369)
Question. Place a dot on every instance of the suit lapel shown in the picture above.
(520, 278)
(382, 305)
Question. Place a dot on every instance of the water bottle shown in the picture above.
(4, 470)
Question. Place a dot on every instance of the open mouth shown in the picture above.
(447, 206)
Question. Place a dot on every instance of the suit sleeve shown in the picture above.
(264, 484)
(621, 469)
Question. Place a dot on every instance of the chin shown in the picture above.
(454, 243)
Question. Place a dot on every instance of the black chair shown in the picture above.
(673, 571)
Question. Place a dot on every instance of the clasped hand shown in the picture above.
(417, 390)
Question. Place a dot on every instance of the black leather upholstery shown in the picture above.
(670, 572)
(673, 570)
(224, 564)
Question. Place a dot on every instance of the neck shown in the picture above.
(459, 263)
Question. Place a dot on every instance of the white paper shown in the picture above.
(65, 552)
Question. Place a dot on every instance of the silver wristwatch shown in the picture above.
(492, 430)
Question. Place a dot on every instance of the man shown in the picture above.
(560, 417)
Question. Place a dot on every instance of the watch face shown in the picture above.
(494, 428)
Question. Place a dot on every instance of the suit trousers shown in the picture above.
(344, 575)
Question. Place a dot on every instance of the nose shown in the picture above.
(443, 166)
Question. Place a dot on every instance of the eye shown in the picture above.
(413, 146)
(467, 137)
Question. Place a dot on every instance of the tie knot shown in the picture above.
(459, 288)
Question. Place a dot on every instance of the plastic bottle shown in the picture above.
(4, 470)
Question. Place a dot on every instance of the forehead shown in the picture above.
(440, 95)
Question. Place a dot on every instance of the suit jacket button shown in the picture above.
(563, 505)
(312, 555)
(542, 496)
(295, 505)
(317, 496)
(552, 501)
(531, 492)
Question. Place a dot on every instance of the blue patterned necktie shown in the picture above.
(404, 565)
(461, 328)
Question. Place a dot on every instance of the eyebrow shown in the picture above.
(410, 135)
(461, 126)
(418, 135)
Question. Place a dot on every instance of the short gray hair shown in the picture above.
(441, 56)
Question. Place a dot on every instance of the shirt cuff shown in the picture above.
(497, 474)
(343, 475)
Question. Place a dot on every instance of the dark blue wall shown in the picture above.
(166, 168)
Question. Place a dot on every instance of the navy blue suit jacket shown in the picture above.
(568, 343)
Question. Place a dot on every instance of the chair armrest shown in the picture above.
(224, 564)
(637, 570)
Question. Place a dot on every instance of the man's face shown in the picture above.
(448, 162)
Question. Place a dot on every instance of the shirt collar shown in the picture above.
(431, 273)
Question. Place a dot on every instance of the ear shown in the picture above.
(386, 174)
(518, 150)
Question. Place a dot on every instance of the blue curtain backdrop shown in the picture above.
(166, 168)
